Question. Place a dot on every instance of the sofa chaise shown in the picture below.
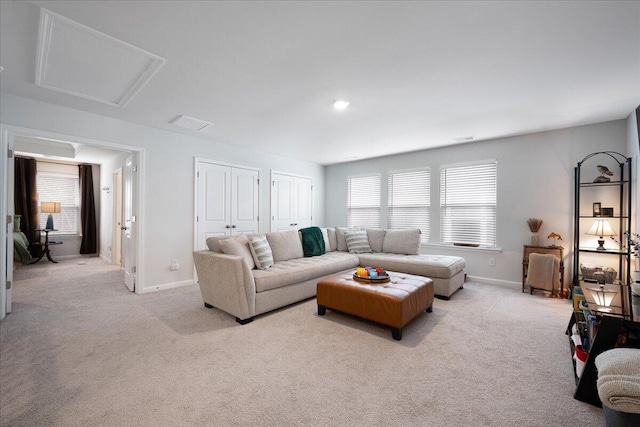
(230, 280)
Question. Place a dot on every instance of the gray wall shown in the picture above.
(535, 179)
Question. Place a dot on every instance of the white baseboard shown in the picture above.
(106, 259)
(167, 286)
(508, 283)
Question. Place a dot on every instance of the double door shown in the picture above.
(227, 201)
(291, 202)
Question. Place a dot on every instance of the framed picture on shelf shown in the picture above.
(596, 208)
(606, 212)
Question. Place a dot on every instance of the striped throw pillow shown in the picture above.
(357, 242)
(261, 252)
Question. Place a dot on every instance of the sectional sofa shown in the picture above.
(230, 281)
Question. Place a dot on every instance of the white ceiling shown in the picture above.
(417, 74)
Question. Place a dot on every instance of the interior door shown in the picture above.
(116, 245)
(7, 290)
(303, 197)
(128, 244)
(281, 208)
(245, 196)
(213, 203)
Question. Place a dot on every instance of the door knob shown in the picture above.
(124, 228)
(227, 226)
(233, 226)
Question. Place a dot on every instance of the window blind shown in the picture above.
(363, 206)
(63, 188)
(468, 196)
(410, 201)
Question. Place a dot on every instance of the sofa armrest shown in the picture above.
(226, 282)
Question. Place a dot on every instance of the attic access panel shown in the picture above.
(75, 59)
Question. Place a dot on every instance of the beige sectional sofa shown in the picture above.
(229, 280)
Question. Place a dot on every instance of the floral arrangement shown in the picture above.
(534, 224)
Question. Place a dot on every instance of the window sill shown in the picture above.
(461, 248)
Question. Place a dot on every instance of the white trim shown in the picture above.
(469, 163)
(423, 168)
(138, 154)
(362, 175)
(165, 286)
(491, 281)
(441, 246)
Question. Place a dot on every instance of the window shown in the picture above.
(410, 201)
(363, 205)
(468, 204)
(60, 183)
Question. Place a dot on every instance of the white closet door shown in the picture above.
(244, 201)
(291, 197)
(302, 201)
(214, 202)
(282, 188)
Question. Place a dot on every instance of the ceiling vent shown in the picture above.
(190, 123)
(464, 139)
(75, 59)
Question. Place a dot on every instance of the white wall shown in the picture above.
(168, 178)
(535, 179)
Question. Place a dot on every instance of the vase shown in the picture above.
(535, 239)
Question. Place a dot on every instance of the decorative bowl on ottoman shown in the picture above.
(371, 275)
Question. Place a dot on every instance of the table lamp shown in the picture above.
(50, 208)
(601, 228)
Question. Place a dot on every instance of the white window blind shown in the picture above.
(468, 196)
(410, 201)
(363, 206)
(61, 186)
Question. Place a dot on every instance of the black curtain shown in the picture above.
(25, 199)
(87, 211)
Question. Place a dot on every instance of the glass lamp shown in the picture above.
(601, 228)
(50, 208)
(602, 297)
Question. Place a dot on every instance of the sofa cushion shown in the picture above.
(213, 243)
(298, 270)
(261, 252)
(357, 242)
(433, 266)
(333, 241)
(285, 245)
(402, 242)
(376, 237)
(238, 245)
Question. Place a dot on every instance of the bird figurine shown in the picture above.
(603, 171)
(555, 237)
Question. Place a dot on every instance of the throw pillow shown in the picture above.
(402, 242)
(325, 237)
(341, 242)
(285, 245)
(357, 242)
(333, 242)
(17, 219)
(376, 237)
(238, 246)
(261, 252)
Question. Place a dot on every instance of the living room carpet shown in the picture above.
(79, 349)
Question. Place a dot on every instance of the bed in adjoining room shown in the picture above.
(21, 254)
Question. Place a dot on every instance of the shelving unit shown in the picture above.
(614, 324)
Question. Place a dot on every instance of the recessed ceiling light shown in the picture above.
(190, 123)
(464, 138)
(1, 69)
(340, 104)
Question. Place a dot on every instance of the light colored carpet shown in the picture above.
(79, 349)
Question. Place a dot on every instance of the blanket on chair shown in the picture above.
(544, 272)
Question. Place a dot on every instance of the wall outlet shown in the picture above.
(175, 265)
(492, 262)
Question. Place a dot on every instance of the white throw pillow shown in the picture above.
(238, 245)
(261, 252)
(357, 242)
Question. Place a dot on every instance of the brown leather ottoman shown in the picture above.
(393, 303)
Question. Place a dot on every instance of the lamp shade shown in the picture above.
(601, 228)
(50, 207)
(602, 297)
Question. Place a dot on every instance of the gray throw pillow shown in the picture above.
(402, 242)
(238, 245)
(376, 237)
(261, 252)
(285, 245)
(357, 242)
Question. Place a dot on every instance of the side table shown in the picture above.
(45, 246)
(553, 250)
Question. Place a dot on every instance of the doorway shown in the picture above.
(8, 134)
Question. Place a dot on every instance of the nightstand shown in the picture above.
(45, 246)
